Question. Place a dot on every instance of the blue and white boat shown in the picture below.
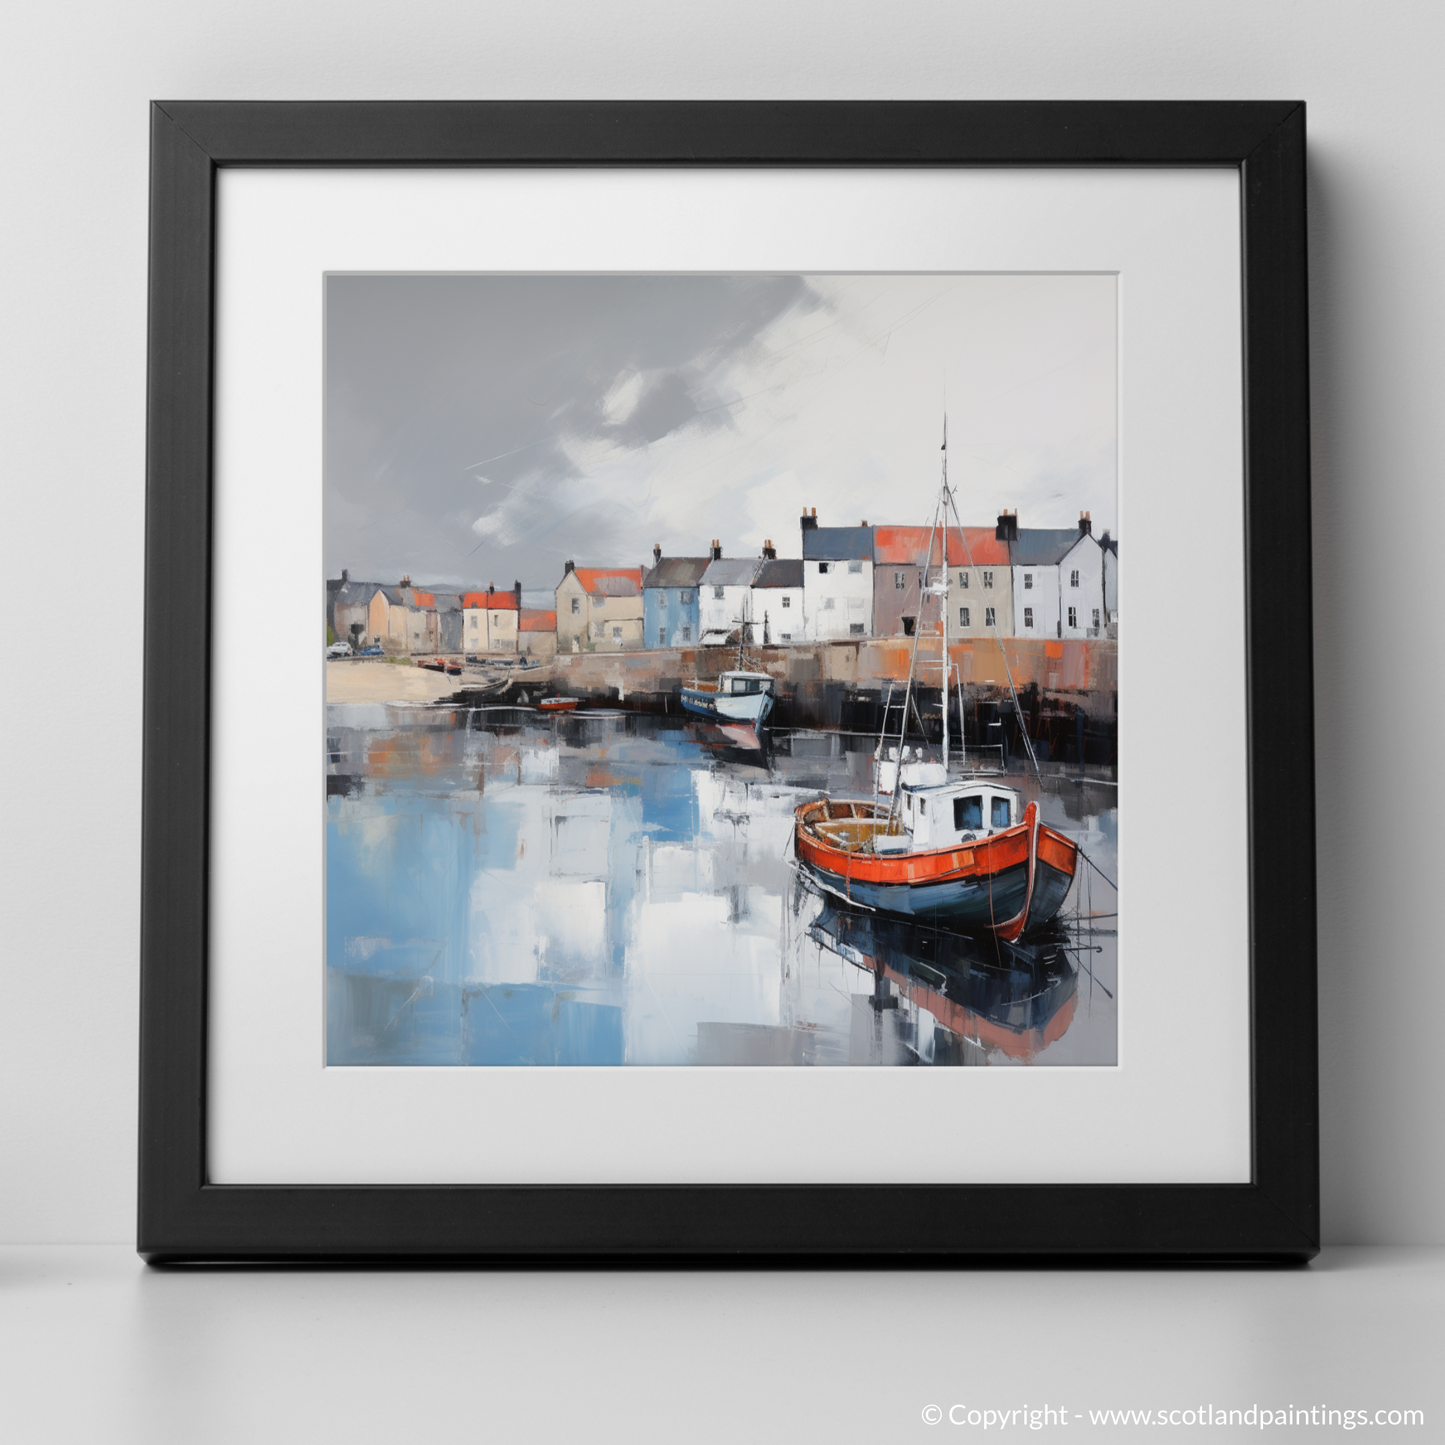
(736, 697)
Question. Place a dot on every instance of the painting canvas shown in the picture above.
(721, 670)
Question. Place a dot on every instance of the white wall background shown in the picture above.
(75, 79)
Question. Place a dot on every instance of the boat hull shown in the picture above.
(750, 708)
(1009, 883)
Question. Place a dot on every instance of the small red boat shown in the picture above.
(434, 664)
(558, 704)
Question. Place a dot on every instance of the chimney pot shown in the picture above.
(1008, 527)
(1086, 527)
(656, 553)
(568, 567)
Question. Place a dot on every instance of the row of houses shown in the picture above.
(863, 581)
(407, 619)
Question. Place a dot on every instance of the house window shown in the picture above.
(827, 604)
(662, 637)
(717, 594)
(576, 605)
(687, 634)
(855, 629)
(908, 626)
(1073, 617)
(474, 622)
(963, 617)
(822, 569)
(988, 617)
(900, 581)
(496, 619)
(787, 601)
(963, 580)
(1096, 619)
(1073, 579)
(988, 579)
(684, 597)
(1028, 616)
(856, 568)
(597, 629)
(1028, 581)
(785, 637)
(617, 634)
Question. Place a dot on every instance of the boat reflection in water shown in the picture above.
(986, 996)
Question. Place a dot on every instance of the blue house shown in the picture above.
(670, 601)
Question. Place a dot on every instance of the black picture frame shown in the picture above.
(1274, 1217)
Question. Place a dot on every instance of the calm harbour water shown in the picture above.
(505, 888)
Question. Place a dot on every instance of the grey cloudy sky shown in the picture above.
(487, 428)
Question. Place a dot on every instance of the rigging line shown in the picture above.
(908, 690)
(524, 447)
(1100, 872)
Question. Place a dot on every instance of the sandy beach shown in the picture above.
(377, 681)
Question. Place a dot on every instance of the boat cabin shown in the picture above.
(938, 813)
(742, 684)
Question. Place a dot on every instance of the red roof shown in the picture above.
(497, 601)
(424, 599)
(908, 544)
(591, 578)
(536, 621)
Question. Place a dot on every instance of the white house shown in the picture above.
(778, 598)
(1081, 586)
(1034, 556)
(837, 580)
(725, 596)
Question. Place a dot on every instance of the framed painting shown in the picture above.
(650, 752)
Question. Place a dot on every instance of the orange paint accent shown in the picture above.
(533, 621)
(424, 599)
(1053, 649)
(494, 602)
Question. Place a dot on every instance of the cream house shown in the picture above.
(599, 609)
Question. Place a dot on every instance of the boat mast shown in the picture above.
(943, 532)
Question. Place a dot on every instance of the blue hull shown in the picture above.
(981, 901)
(728, 708)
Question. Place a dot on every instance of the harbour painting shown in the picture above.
(721, 670)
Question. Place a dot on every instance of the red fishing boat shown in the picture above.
(558, 704)
(961, 848)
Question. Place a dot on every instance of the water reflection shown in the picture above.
(505, 888)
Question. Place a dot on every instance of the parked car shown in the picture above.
(339, 649)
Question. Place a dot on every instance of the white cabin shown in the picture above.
(937, 810)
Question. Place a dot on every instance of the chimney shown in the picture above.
(405, 579)
(490, 589)
(517, 593)
(1086, 527)
(345, 576)
(657, 554)
(864, 522)
(770, 552)
(568, 567)
(1008, 527)
(810, 519)
(716, 550)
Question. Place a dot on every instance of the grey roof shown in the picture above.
(615, 586)
(677, 572)
(1041, 546)
(450, 601)
(840, 544)
(780, 572)
(392, 595)
(731, 572)
(353, 594)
